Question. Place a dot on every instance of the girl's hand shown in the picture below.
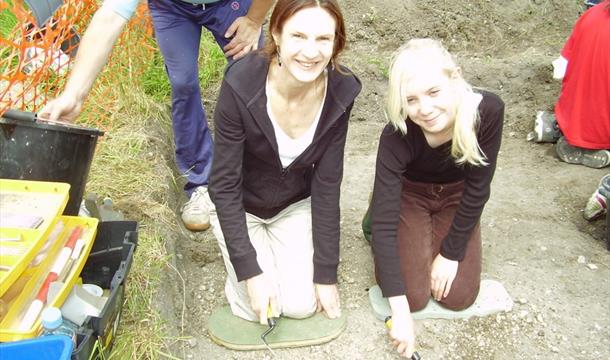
(402, 333)
(261, 297)
(442, 276)
(327, 297)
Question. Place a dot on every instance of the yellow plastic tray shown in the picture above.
(10, 323)
(19, 245)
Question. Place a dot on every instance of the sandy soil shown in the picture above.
(533, 230)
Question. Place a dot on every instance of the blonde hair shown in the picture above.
(406, 62)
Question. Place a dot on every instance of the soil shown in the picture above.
(533, 229)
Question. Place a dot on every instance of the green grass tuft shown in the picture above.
(8, 21)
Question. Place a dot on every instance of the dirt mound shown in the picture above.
(533, 231)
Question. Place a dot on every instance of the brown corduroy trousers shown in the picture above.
(426, 215)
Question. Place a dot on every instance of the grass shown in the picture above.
(382, 66)
(7, 21)
(131, 167)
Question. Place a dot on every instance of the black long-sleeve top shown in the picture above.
(410, 156)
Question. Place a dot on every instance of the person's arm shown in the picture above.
(226, 192)
(402, 331)
(325, 217)
(226, 180)
(477, 186)
(325, 193)
(247, 29)
(392, 158)
(93, 52)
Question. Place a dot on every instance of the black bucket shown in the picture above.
(33, 150)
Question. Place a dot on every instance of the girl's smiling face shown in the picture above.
(431, 100)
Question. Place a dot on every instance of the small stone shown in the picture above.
(592, 266)
(543, 248)
(523, 313)
(554, 349)
(540, 332)
(581, 259)
(179, 256)
(539, 318)
(360, 34)
(192, 342)
(522, 301)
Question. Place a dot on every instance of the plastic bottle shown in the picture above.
(54, 324)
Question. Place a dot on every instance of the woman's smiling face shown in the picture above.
(306, 43)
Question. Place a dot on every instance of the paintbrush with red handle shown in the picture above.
(36, 306)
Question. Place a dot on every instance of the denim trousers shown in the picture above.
(178, 26)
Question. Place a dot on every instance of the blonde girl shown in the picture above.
(435, 163)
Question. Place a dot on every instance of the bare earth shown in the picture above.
(533, 230)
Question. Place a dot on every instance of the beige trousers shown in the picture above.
(284, 251)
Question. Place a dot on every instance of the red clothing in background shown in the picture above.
(583, 108)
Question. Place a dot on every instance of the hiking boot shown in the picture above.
(546, 129)
(575, 155)
(195, 212)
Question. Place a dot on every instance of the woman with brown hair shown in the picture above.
(281, 124)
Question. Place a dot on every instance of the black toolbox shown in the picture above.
(107, 266)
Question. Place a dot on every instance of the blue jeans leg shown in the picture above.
(178, 34)
(178, 31)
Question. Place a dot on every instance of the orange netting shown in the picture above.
(35, 62)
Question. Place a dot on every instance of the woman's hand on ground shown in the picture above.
(261, 296)
(402, 333)
(442, 276)
(327, 297)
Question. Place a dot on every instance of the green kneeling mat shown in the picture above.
(236, 333)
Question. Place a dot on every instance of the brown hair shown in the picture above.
(284, 9)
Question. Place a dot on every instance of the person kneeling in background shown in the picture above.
(581, 123)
